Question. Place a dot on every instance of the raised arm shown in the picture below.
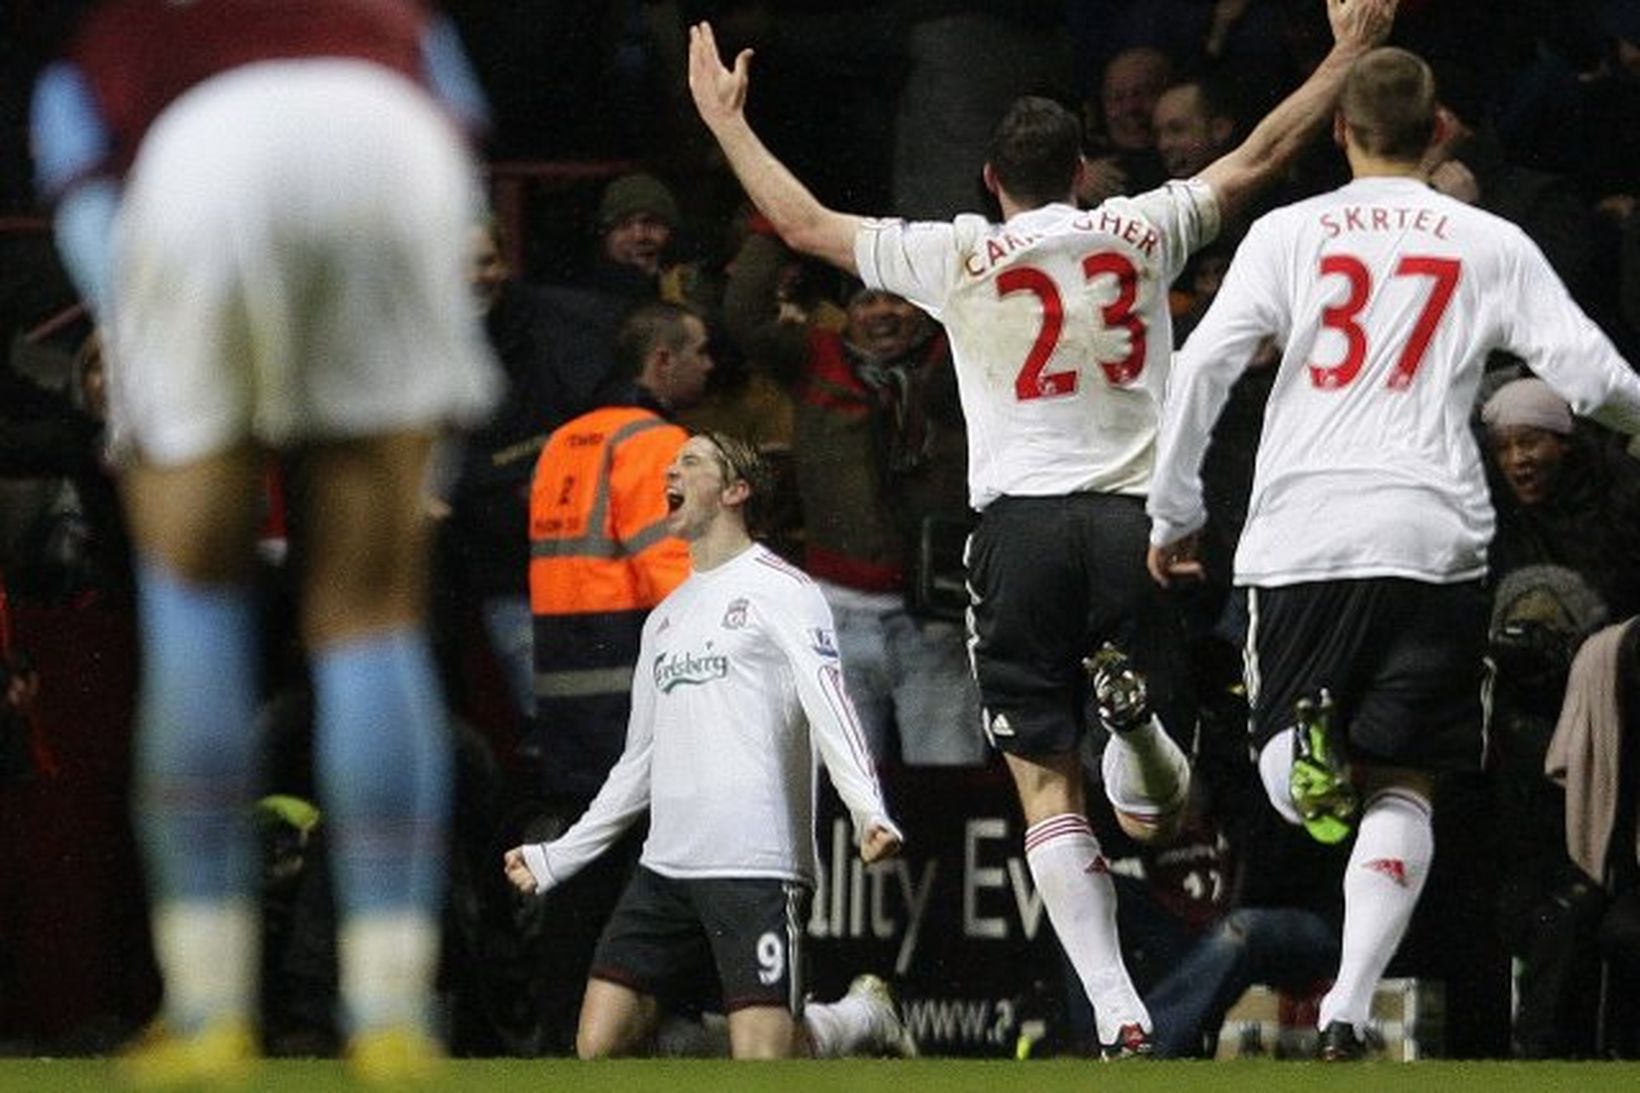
(720, 97)
(1238, 175)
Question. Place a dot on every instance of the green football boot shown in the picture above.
(1320, 782)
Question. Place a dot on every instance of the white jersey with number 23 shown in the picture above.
(1059, 330)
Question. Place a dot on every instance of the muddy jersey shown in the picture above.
(1059, 328)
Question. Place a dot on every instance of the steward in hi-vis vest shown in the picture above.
(600, 557)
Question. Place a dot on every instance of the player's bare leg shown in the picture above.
(382, 747)
(199, 519)
(367, 562)
(765, 1032)
(615, 1021)
(196, 762)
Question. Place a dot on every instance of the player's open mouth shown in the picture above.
(674, 500)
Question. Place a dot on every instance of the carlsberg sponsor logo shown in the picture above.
(680, 669)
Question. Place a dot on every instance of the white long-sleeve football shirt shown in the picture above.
(1059, 327)
(738, 686)
(1386, 297)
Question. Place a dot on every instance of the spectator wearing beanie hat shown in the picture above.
(1529, 426)
(1564, 494)
(637, 216)
(638, 219)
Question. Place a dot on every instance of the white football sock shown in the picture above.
(208, 954)
(1074, 881)
(837, 1029)
(1145, 771)
(1386, 874)
(386, 965)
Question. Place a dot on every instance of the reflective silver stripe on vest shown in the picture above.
(594, 544)
(580, 684)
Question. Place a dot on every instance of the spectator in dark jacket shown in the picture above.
(555, 346)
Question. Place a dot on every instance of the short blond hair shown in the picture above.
(740, 460)
(1389, 104)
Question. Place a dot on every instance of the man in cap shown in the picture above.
(637, 217)
(637, 221)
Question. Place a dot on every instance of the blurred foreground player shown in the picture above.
(267, 204)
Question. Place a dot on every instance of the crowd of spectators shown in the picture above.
(889, 105)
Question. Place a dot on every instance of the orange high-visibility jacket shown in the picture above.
(600, 559)
(598, 538)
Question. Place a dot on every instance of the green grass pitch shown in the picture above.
(895, 1076)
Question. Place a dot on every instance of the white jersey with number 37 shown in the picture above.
(1059, 330)
(1386, 297)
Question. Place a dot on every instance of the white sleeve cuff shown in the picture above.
(535, 858)
(860, 829)
(1163, 532)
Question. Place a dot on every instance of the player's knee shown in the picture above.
(1275, 768)
(204, 559)
(596, 1039)
(763, 1050)
(367, 535)
(197, 520)
(590, 1047)
(1376, 780)
(763, 1032)
(615, 1022)
(369, 591)
(329, 620)
(203, 548)
(1231, 931)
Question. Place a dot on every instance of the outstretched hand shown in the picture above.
(719, 93)
(1360, 24)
